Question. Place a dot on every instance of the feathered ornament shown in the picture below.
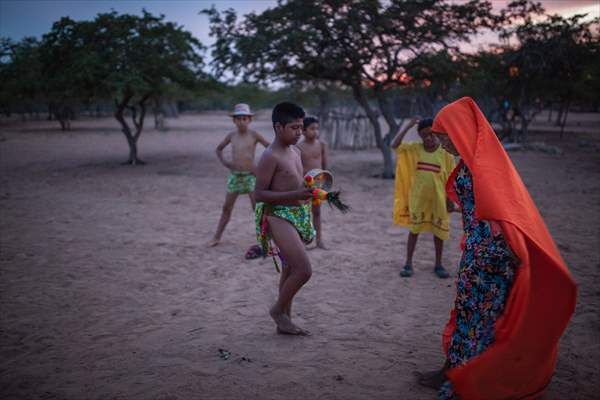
(320, 181)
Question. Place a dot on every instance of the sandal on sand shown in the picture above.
(441, 272)
(407, 271)
(253, 252)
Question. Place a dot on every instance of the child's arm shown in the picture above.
(264, 174)
(324, 156)
(260, 139)
(219, 152)
(400, 136)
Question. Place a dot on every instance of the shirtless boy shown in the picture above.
(241, 177)
(283, 211)
(314, 155)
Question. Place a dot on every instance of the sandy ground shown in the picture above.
(106, 291)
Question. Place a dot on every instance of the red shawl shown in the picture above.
(520, 362)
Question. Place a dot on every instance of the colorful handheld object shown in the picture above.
(320, 181)
(319, 178)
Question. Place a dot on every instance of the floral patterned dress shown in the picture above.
(485, 277)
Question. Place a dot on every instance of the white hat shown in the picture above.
(241, 109)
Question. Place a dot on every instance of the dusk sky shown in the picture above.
(20, 18)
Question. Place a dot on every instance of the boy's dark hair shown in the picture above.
(308, 121)
(424, 123)
(286, 112)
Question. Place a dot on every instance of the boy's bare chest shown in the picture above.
(243, 142)
(312, 152)
(289, 173)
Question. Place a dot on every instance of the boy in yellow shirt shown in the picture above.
(420, 203)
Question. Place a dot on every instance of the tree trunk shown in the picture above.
(388, 167)
(133, 158)
(139, 122)
(131, 138)
(559, 117)
(384, 107)
(159, 116)
(62, 115)
(323, 113)
(526, 117)
(524, 129)
(564, 121)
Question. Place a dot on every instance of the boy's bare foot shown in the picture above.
(284, 324)
(432, 379)
(321, 245)
(300, 332)
(213, 242)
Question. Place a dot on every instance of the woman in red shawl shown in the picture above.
(515, 294)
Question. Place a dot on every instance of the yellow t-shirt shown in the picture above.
(420, 189)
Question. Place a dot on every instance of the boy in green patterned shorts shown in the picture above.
(283, 211)
(241, 177)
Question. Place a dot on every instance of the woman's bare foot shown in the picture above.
(432, 379)
(213, 242)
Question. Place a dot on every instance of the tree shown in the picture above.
(66, 76)
(556, 50)
(551, 62)
(20, 72)
(435, 77)
(130, 59)
(587, 87)
(142, 57)
(364, 45)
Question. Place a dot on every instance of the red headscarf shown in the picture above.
(520, 362)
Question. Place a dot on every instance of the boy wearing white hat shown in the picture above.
(241, 166)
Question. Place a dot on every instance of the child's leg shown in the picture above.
(410, 247)
(230, 199)
(252, 200)
(292, 249)
(411, 243)
(316, 211)
(439, 248)
(285, 274)
(439, 269)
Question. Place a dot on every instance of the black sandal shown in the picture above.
(441, 272)
(407, 271)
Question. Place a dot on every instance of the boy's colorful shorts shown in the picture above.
(241, 182)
